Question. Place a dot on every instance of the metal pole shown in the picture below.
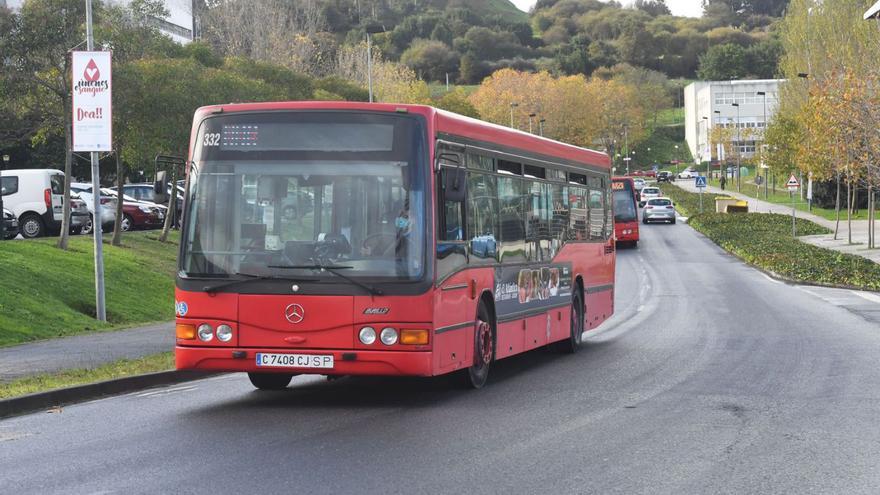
(100, 310)
(541, 127)
(370, 67)
(793, 228)
(3, 224)
(763, 146)
(738, 151)
(626, 146)
(447, 82)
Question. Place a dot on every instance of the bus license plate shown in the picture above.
(294, 361)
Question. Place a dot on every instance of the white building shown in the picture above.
(746, 106)
(178, 25)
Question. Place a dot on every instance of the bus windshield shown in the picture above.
(283, 194)
(624, 202)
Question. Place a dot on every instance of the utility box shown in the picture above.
(726, 204)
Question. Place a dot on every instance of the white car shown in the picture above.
(639, 183)
(35, 197)
(107, 205)
(648, 193)
(688, 174)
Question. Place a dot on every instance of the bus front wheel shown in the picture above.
(270, 381)
(484, 349)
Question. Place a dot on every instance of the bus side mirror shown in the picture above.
(160, 190)
(454, 184)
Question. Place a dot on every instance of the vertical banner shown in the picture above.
(92, 112)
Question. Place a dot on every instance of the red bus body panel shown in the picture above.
(447, 310)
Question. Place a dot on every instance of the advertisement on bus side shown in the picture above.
(526, 288)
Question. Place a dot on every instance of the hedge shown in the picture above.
(764, 240)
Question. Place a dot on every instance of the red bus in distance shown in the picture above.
(626, 216)
(342, 238)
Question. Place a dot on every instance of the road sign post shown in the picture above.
(700, 182)
(92, 131)
(793, 185)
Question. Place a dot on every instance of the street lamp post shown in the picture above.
(708, 145)
(512, 106)
(717, 120)
(371, 29)
(531, 116)
(738, 149)
(764, 140)
(541, 126)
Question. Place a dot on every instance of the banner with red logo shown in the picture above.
(92, 112)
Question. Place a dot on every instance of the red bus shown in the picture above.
(626, 211)
(343, 238)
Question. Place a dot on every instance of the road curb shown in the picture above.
(81, 393)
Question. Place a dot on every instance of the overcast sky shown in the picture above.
(690, 8)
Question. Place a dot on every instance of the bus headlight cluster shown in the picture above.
(206, 332)
(391, 336)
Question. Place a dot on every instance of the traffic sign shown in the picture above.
(793, 183)
(701, 181)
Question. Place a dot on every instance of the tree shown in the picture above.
(36, 66)
(653, 8)
(723, 62)
(456, 101)
(431, 60)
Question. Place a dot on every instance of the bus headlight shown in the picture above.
(206, 333)
(388, 336)
(367, 335)
(224, 333)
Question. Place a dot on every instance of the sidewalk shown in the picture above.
(84, 351)
(859, 227)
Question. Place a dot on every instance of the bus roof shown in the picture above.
(443, 122)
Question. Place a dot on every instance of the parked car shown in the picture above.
(36, 197)
(688, 174)
(145, 192)
(665, 176)
(659, 209)
(639, 183)
(10, 225)
(648, 193)
(107, 206)
(138, 214)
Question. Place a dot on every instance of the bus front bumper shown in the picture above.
(345, 362)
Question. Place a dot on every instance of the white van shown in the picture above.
(35, 197)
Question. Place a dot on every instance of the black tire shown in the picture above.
(87, 227)
(576, 325)
(477, 374)
(31, 225)
(645, 221)
(673, 221)
(127, 223)
(270, 381)
(76, 230)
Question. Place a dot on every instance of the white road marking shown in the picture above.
(866, 295)
(166, 391)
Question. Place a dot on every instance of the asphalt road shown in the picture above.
(711, 378)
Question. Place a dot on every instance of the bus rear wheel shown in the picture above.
(576, 334)
(270, 381)
(484, 349)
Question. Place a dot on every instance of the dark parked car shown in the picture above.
(665, 176)
(10, 225)
(139, 214)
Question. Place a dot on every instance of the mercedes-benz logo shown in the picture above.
(294, 313)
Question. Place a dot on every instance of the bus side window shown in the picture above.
(482, 218)
(578, 213)
(511, 193)
(451, 251)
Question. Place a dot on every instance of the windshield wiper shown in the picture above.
(210, 289)
(333, 269)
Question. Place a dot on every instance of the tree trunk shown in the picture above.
(63, 237)
(837, 208)
(849, 208)
(117, 231)
(171, 214)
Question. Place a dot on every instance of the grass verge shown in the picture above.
(46, 292)
(764, 240)
(71, 378)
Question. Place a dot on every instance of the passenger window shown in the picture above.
(538, 216)
(482, 217)
(578, 214)
(8, 185)
(597, 214)
(511, 192)
(479, 162)
(454, 230)
(560, 217)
